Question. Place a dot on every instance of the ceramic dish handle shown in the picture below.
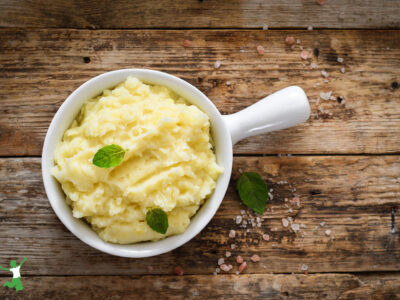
(283, 109)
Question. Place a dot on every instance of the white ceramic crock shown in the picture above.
(283, 109)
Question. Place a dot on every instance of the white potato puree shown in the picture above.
(169, 161)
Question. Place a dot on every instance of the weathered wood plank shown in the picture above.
(39, 68)
(353, 195)
(255, 286)
(375, 286)
(200, 14)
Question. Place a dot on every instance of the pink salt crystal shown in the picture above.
(239, 259)
(328, 232)
(285, 222)
(242, 267)
(289, 40)
(304, 54)
(260, 49)
(221, 261)
(228, 254)
(255, 258)
(265, 237)
(217, 64)
(178, 270)
(321, 2)
(224, 268)
(186, 43)
(149, 269)
(232, 233)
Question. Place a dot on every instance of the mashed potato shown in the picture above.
(169, 161)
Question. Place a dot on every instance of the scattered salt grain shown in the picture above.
(304, 267)
(260, 49)
(149, 269)
(324, 73)
(340, 60)
(298, 41)
(317, 84)
(341, 16)
(270, 196)
(233, 246)
(186, 43)
(242, 211)
(295, 200)
(221, 261)
(237, 272)
(328, 232)
(242, 267)
(321, 2)
(289, 40)
(265, 237)
(178, 270)
(217, 64)
(232, 233)
(217, 270)
(228, 254)
(310, 28)
(240, 171)
(322, 223)
(295, 227)
(313, 66)
(304, 54)
(255, 258)
(285, 222)
(239, 219)
(326, 95)
(342, 70)
(265, 27)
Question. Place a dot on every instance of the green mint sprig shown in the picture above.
(157, 220)
(253, 191)
(109, 156)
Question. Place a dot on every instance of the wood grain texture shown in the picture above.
(296, 287)
(40, 68)
(353, 195)
(200, 14)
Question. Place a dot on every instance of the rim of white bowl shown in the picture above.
(81, 229)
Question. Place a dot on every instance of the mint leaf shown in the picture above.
(109, 156)
(157, 220)
(253, 191)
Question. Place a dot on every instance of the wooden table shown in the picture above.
(343, 164)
